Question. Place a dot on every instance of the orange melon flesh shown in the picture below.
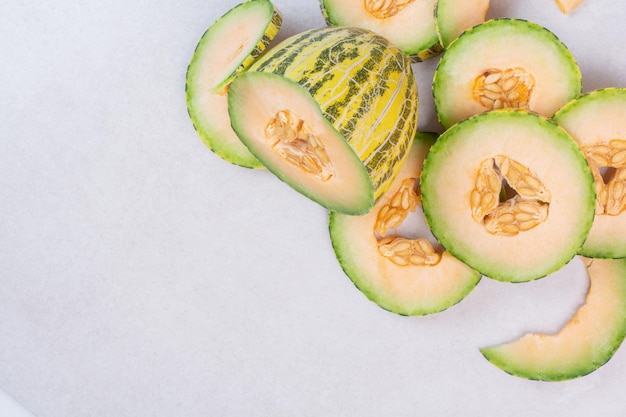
(406, 290)
(567, 6)
(586, 343)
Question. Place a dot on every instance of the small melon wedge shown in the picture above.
(567, 6)
(597, 122)
(453, 17)
(586, 343)
(227, 48)
(426, 284)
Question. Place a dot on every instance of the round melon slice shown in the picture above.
(597, 122)
(408, 24)
(453, 17)
(586, 343)
(227, 48)
(504, 63)
(332, 112)
(509, 193)
(405, 275)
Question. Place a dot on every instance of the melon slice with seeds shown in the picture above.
(509, 193)
(596, 121)
(405, 272)
(408, 24)
(504, 63)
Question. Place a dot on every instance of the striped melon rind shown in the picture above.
(453, 17)
(363, 85)
(226, 49)
(587, 342)
(411, 27)
(500, 45)
(598, 118)
(409, 290)
(450, 175)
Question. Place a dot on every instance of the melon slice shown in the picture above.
(504, 63)
(597, 122)
(567, 6)
(453, 17)
(408, 24)
(509, 193)
(332, 112)
(405, 275)
(586, 343)
(227, 48)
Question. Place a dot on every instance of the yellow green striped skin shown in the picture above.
(364, 86)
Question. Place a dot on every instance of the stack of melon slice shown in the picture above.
(527, 174)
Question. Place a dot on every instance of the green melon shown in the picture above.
(597, 122)
(504, 63)
(408, 24)
(509, 193)
(227, 48)
(587, 342)
(405, 275)
(332, 112)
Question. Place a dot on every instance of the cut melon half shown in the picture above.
(509, 193)
(597, 121)
(453, 17)
(226, 49)
(405, 275)
(265, 107)
(408, 24)
(586, 343)
(332, 112)
(504, 63)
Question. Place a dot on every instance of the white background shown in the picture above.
(141, 275)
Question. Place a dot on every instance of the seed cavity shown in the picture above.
(525, 210)
(610, 189)
(293, 140)
(383, 9)
(404, 252)
(399, 250)
(508, 88)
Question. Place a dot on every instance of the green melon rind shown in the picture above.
(596, 245)
(570, 68)
(348, 259)
(206, 124)
(562, 372)
(417, 51)
(436, 160)
(239, 123)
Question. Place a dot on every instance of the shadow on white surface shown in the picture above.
(11, 408)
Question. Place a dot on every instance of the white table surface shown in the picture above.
(144, 276)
